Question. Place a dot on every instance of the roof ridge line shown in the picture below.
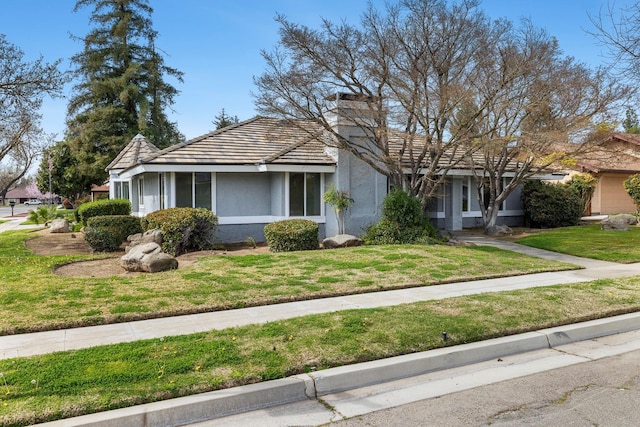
(174, 147)
(288, 149)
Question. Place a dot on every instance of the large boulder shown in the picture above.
(618, 222)
(59, 225)
(498, 230)
(151, 236)
(149, 258)
(341, 241)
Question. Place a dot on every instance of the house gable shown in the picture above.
(138, 148)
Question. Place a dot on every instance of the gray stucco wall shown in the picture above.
(365, 186)
(237, 233)
(243, 194)
(277, 184)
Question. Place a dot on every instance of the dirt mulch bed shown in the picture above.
(51, 244)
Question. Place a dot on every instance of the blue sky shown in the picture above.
(217, 43)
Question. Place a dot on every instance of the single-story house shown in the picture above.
(17, 195)
(99, 191)
(612, 164)
(266, 169)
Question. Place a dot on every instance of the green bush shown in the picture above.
(585, 185)
(292, 235)
(183, 229)
(550, 205)
(106, 233)
(632, 187)
(103, 207)
(402, 222)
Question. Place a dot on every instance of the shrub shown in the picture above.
(550, 205)
(292, 235)
(44, 214)
(402, 222)
(106, 233)
(101, 208)
(183, 229)
(632, 187)
(585, 185)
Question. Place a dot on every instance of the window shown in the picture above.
(141, 191)
(184, 192)
(486, 195)
(121, 190)
(161, 190)
(194, 190)
(304, 194)
(203, 190)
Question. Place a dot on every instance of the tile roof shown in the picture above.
(137, 149)
(254, 141)
(612, 157)
(260, 140)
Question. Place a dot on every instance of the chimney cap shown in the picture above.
(343, 96)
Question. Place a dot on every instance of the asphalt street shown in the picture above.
(589, 383)
(601, 393)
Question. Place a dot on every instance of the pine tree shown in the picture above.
(630, 122)
(121, 89)
(222, 120)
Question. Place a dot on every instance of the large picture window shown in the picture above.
(184, 190)
(304, 194)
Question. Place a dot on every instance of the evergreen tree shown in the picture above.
(121, 89)
(222, 120)
(630, 122)
(59, 164)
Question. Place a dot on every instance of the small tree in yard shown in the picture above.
(632, 187)
(584, 184)
(340, 201)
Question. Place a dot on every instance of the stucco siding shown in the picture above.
(243, 194)
(238, 233)
(367, 189)
(278, 186)
(610, 196)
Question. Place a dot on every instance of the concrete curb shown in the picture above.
(217, 404)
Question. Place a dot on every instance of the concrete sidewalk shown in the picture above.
(15, 223)
(71, 339)
(77, 338)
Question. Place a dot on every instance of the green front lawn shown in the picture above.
(589, 242)
(66, 384)
(32, 298)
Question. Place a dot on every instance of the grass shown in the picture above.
(589, 242)
(32, 298)
(66, 384)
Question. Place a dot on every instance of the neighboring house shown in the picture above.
(264, 170)
(612, 164)
(18, 195)
(99, 192)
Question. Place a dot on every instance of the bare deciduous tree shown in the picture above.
(619, 32)
(23, 85)
(441, 86)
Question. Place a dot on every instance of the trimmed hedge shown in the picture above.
(183, 229)
(550, 205)
(292, 235)
(107, 232)
(101, 208)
